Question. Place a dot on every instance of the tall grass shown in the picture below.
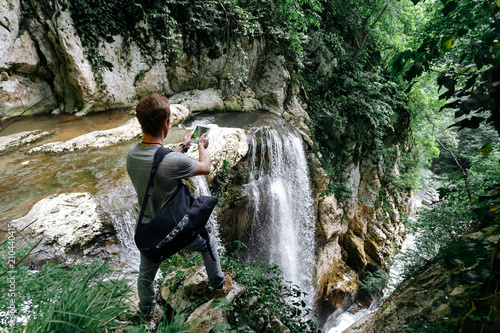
(87, 297)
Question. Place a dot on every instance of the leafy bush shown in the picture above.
(267, 296)
(456, 212)
(374, 283)
(87, 297)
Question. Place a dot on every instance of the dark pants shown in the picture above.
(148, 269)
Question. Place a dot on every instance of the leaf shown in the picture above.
(469, 123)
(451, 6)
(469, 261)
(469, 276)
(447, 94)
(452, 105)
(456, 261)
(470, 82)
(447, 43)
(415, 2)
(486, 149)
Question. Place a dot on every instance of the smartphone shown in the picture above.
(199, 131)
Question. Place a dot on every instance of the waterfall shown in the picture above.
(201, 188)
(280, 205)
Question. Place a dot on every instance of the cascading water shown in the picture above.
(280, 205)
(201, 188)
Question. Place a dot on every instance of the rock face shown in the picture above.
(359, 234)
(445, 297)
(48, 60)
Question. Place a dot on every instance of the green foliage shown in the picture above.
(266, 296)
(461, 39)
(355, 108)
(456, 212)
(374, 283)
(364, 114)
(84, 298)
(157, 26)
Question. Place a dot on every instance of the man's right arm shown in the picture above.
(203, 166)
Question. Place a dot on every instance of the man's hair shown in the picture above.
(152, 112)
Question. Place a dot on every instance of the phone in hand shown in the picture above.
(198, 132)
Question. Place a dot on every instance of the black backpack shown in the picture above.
(177, 224)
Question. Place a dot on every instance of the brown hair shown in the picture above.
(152, 112)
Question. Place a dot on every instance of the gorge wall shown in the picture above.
(43, 60)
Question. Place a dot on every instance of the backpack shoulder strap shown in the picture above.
(160, 153)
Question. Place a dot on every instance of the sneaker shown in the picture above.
(149, 316)
(222, 293)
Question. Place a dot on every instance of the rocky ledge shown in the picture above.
(17, 140)
(456, 293)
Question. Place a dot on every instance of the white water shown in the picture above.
(201, 188)
(281, 205)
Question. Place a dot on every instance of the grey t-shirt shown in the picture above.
(174, 167)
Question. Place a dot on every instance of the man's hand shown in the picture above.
(202, 141)
(187, 140)
(203, 167)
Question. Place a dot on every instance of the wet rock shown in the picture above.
(97, 139)
(10, 142)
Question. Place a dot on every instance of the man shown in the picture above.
(153, 113)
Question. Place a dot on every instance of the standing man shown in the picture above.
(153, 113)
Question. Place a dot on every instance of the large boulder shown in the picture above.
(68, 220)
(226, 144)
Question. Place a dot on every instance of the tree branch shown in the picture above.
(467, 189)
(373, 25)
